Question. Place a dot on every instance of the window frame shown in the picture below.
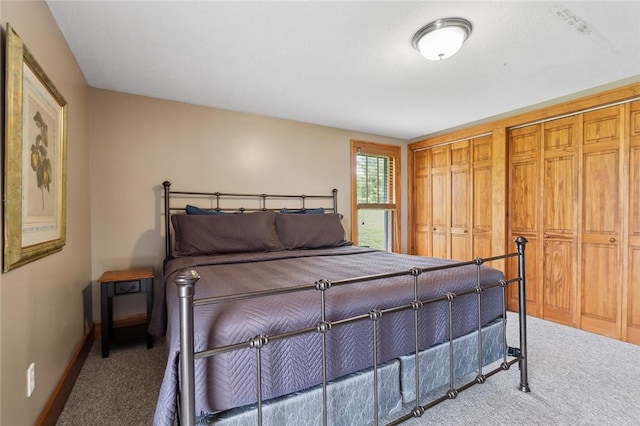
(373, 148)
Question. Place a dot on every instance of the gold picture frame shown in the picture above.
(35, 172)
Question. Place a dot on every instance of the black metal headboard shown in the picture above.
(232, 202)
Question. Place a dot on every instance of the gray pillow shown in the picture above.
(309, 231)
(215, 234)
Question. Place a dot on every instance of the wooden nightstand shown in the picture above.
(119, 283)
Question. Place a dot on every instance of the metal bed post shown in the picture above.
(375, 315)
(258, 343)
(167, 218)
(452, 393)
(323, 327)
(185, 281)
(480, 378)
(521, 242)
(335, 200)
(416, 305)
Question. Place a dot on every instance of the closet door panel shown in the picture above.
(524, 197)
(633, 296)
(460, 247)
(482, 198)
(601, 282)
(632, 305)
(460, 208)
(602, 126)
(460, 199)
(559, 196)
(482, 245)
(559, 281)
(460, 203)
(634, 197)
(482, 149)
(439, 157)
(600, 193)
(524, 213)
(558, 223)
(440, 201)
(524, 141)
(421, 241)
(600, 301)
(482, 211)
(460, 154)
(440, 212)
(422, 204)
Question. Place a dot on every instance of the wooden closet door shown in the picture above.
(524, 201)
(559, 219)
(631, 307)
(421, 203)
(601, 209)
(482, 196)
(440, 212)
(460, 202)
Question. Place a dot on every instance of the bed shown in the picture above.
(273, 317)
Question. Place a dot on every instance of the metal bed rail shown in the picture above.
(187, 278)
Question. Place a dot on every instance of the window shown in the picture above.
(375, 177)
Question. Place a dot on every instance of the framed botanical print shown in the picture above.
(35, 175)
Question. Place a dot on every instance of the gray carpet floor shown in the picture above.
(576, 378)
(119, 390)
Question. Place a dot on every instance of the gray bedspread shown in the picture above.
(290, 365)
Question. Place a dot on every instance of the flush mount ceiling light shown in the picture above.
(442, 38)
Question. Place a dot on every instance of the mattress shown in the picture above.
(290, 365)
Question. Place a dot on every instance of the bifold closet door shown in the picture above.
(460, 207)
(452, 196)
(601, 282)
(482, 195)
(631, 295)
(524, 202)
(421, 203)
(560, 140)
(542, 204)
(441, 201)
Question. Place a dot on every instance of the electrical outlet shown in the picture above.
(31, 379)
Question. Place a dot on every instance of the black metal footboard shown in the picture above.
(187, 278)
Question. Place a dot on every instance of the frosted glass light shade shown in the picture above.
(442, 38)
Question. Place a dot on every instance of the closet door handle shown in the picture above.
(612, 240)
(546, 235)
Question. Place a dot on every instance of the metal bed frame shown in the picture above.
(186, 280)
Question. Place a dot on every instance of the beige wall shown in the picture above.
(138, 142)
(41, 312)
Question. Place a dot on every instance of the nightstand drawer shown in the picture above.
(125, 287)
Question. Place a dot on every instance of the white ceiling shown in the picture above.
(351, 64)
